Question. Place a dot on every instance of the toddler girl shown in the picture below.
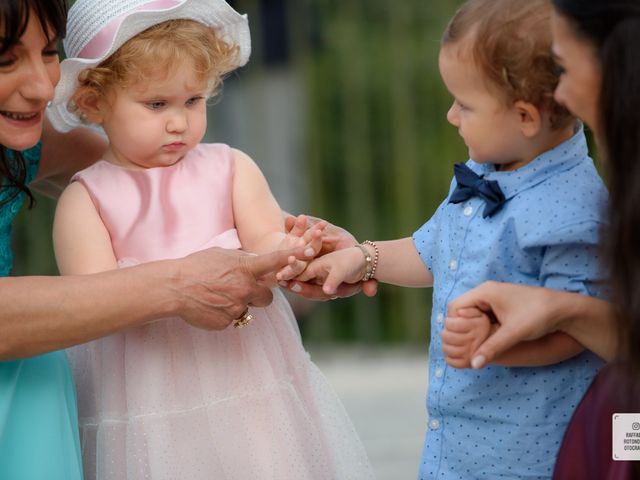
(168, 401)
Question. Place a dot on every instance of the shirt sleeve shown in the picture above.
(425, 239)
(571, 260)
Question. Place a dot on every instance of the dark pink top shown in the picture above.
(586, 451)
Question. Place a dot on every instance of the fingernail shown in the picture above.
(296, 288)
(309, 252)
(478, 362)
(283, 284)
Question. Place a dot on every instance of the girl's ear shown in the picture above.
(91, 106)
(530, 118)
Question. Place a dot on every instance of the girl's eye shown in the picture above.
(194, 100)
(155, 105)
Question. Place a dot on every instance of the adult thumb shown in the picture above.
(495, 345)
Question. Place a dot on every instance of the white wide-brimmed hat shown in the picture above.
(97, 28)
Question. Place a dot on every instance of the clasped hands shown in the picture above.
(320, 277)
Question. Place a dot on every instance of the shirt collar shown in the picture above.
(563, 157)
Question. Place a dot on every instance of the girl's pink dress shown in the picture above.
(170, 401)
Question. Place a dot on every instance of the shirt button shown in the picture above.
(453, 265)
(434, 424)
(439, 372)
(468, 211)
(439, 318)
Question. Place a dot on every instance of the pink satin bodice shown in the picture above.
(166, 212)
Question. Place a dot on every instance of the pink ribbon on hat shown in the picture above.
(102, 40)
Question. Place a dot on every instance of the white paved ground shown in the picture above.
(383, 390)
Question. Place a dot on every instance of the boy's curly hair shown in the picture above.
(158, 50)
(511, 45)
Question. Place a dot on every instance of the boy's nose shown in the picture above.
(453, 115)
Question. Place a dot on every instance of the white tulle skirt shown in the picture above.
(167, 401)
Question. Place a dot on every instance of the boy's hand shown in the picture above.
(333, 269)
(462, 335)
(335, 238)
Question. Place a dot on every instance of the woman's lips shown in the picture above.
(22, 119)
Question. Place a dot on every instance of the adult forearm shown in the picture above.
(548, 350)
(591, 321)
(208, 289)
(42, 314)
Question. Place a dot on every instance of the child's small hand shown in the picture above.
(301, 235)
(462, 335)
(331, 270)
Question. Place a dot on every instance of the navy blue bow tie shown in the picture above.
(470, 184)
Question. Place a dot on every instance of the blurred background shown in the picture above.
(343, 108)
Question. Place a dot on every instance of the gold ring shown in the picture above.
(243, 320)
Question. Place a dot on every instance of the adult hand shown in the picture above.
(216, 286)
(522, 312)
(335, 238)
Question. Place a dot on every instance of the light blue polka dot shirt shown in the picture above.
(498, 422)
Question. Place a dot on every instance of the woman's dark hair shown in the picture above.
(613, 27)
(14, 18)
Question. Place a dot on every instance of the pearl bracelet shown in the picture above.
(375, 259)
(371, 263)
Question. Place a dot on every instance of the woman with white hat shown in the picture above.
(40, 315)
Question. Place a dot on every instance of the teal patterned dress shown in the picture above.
(38, 415)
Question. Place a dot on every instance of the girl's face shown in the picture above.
(156, 123)
(580, 72)
(29, 72)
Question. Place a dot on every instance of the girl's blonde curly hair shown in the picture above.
(157, 51)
